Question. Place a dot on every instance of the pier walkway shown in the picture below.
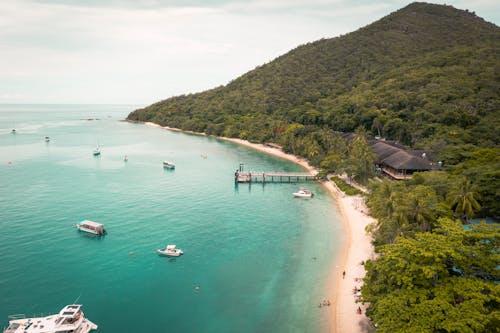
(272, 177)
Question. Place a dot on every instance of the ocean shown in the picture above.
(255, 258)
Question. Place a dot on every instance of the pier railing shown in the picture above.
(272, 177)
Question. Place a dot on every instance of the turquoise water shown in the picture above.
(260, 257)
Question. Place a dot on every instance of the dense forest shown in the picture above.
(427, 76)
(422, 75)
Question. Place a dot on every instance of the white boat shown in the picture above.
(303, 193)
(69, 319)
(13, 131)
(170, 251)
(91, 227)
(168, 165)
(97, 151)
(125, 158)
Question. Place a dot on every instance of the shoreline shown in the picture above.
(343, 315)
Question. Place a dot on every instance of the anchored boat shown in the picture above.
(69, 319)
(91, 227)
(168, 165)
(303, 193)
(170, 251)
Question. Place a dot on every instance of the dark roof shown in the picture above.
(383, 150)
(404, 160)
(394, 155)
(399, 158)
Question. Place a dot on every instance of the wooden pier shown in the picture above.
(272, 177)
(241, 176)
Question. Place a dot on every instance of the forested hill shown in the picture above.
(426, 75)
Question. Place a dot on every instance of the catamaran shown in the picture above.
(69, 319)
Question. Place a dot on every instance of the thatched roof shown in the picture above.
(400, 159)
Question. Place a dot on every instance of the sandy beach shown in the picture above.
(357, 247)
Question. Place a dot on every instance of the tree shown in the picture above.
(360, 160)
(436, 282)
(463, 198)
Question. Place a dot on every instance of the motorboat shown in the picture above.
(168, 165)
(47, 139)
(170, 251)
(96, 152)
(13, 131)
(69, 319)
(91, 227)
(303, 193)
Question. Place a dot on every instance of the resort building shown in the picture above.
(398, 163)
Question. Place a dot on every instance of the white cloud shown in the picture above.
(144, 52)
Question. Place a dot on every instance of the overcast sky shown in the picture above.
(140, 52)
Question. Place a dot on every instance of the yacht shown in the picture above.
(69, 319)
(303, 193)
(91, 227)
(168, 165)
(170, 251)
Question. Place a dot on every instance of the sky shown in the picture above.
(143, 51)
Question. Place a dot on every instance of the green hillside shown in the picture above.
(426, 75)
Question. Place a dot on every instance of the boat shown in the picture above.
(91, 227)
(69, 319)
(97, 151)
(168, 165)
(303, 193)
(125, 158)
(13, 131)
(170, 251)
(47, 139)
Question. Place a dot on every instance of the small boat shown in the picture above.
(170, 251)
(69, 319)
(125, 158)
(47, 139)
(303, 193)
(13, 131)
(168, 165)
(91, 227)
(97, 151)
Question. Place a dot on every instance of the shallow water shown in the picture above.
(260, 257)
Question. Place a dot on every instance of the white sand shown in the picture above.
(357, 246)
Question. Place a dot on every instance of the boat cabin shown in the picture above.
(168, 165)
(91, 227)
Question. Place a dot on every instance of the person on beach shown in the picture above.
(358, 310)
(343, 274)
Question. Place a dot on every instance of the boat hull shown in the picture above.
(300, 195)
(90, 231)
(176, 253)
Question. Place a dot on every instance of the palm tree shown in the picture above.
(463, 198)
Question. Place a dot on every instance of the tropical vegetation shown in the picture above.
(426, 76)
